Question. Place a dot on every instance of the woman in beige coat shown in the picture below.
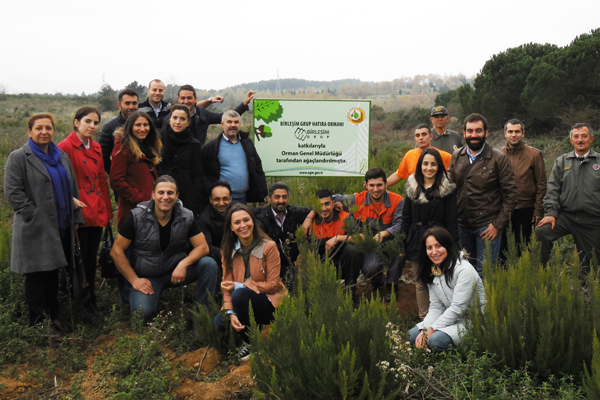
(251, 267)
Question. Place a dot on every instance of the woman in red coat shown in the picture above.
(134, 159)
(86, 157)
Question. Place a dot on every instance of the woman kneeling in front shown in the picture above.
(453, 284)
(251, 267)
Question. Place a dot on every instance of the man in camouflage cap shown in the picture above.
(443, 139)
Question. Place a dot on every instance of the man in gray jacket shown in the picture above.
(571, 202)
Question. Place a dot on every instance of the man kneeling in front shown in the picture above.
(159, 234)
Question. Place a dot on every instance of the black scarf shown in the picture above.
(146, 148)
(176, 139)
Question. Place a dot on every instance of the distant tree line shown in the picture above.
(404, 93)
(546, 86)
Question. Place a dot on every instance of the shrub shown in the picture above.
(464, 374)
(207, 333)
(134, 367)
(591, 382)
(319, 346)
(538, 317)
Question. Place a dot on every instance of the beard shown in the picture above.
(475, 144)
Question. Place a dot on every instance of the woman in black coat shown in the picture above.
(181, 157)
(430, 201)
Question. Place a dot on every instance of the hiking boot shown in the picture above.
(388, 291)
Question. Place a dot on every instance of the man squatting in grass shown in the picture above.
(381, 210)
(159, 233)
(330, 232)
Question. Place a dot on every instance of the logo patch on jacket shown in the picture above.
(596, 167)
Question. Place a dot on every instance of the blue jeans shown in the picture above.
(203, 272)
(473, 243)
(241, 299)
(439, 341)
(122, 285)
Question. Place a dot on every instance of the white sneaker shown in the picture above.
(243, 352)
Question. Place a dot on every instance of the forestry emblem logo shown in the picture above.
(356, 115)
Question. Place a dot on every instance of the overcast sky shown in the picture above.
(74, 46)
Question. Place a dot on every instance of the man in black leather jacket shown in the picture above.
(280, 221)
(128, 103)
(201, 118)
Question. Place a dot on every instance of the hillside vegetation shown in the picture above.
(547, 86)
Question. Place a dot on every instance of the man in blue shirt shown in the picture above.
(232, 157)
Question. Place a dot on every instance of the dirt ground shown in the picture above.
(219, 381)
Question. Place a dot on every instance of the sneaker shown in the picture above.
(243, 352)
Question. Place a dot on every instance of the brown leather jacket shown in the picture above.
(264, 273)
(530, 175)
(487, 192)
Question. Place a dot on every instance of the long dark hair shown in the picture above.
(445, 240)
(230, 238)
(441, 173)
(129, 140)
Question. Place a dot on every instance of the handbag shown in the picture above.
(76, 273)
(108, 269)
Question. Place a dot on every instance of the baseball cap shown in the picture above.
(439, 110)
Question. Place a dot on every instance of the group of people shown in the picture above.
(182, 211)
(62, 192)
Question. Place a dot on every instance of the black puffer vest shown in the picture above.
(147, 259)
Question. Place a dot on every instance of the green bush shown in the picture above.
(319, 346)
(134, 367)
(538, 317)
(591, 382)
(464, 374)
(225, 342)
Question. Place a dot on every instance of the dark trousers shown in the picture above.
(586, 235)
(241, 300)
(346, 259)
(89, 239)
(41, 295)
(373, 265)
(41, 288)
(521, 221)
